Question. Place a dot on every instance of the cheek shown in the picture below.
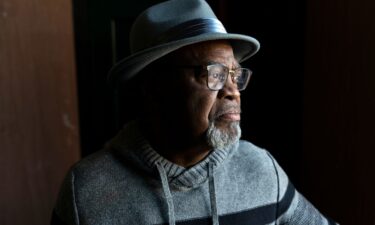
(201, 106)
(199, 103)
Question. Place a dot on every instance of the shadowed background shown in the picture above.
(310, 102)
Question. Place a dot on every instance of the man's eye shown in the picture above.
(218, 75)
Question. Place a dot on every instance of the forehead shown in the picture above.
(205, 52)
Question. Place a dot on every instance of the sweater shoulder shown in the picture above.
(253, 155)
(252, 159)
(94, 162)
(248, 147)
(99, 168)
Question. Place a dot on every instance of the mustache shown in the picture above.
(227, 108)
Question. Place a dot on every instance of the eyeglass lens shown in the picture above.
(217, 76)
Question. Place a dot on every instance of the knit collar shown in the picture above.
(130, 140)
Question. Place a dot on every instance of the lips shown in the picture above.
(230, 116)
(229, 113)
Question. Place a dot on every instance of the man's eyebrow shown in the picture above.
(235, 64)
(212, 62)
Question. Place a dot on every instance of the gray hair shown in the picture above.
(221, 139)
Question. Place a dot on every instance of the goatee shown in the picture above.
(223, 137)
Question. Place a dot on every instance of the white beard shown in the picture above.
(222, 138)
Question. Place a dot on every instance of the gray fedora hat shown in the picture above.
(170, 25)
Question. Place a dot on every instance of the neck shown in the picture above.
(176, 146)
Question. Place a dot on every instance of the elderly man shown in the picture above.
(181, 161)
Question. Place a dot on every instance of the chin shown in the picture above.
(223, 135)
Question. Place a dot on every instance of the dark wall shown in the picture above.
(38, 107)
(101, 33)
(339, 108)
(273, 103)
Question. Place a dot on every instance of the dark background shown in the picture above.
(311, 101)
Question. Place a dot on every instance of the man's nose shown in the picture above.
(230, 90)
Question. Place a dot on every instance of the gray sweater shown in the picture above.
(130, 183)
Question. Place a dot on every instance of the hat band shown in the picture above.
(192, 28)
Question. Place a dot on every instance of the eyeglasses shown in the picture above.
(217, 75)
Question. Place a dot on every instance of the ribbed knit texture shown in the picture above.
(130, 183)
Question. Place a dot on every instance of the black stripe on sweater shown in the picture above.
(260, 215)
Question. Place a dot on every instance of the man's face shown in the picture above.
(192, 107)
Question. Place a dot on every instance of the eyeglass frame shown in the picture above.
(198, 70)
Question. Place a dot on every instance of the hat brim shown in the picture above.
(243, 47)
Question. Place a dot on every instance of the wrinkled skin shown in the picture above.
(181, 105)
